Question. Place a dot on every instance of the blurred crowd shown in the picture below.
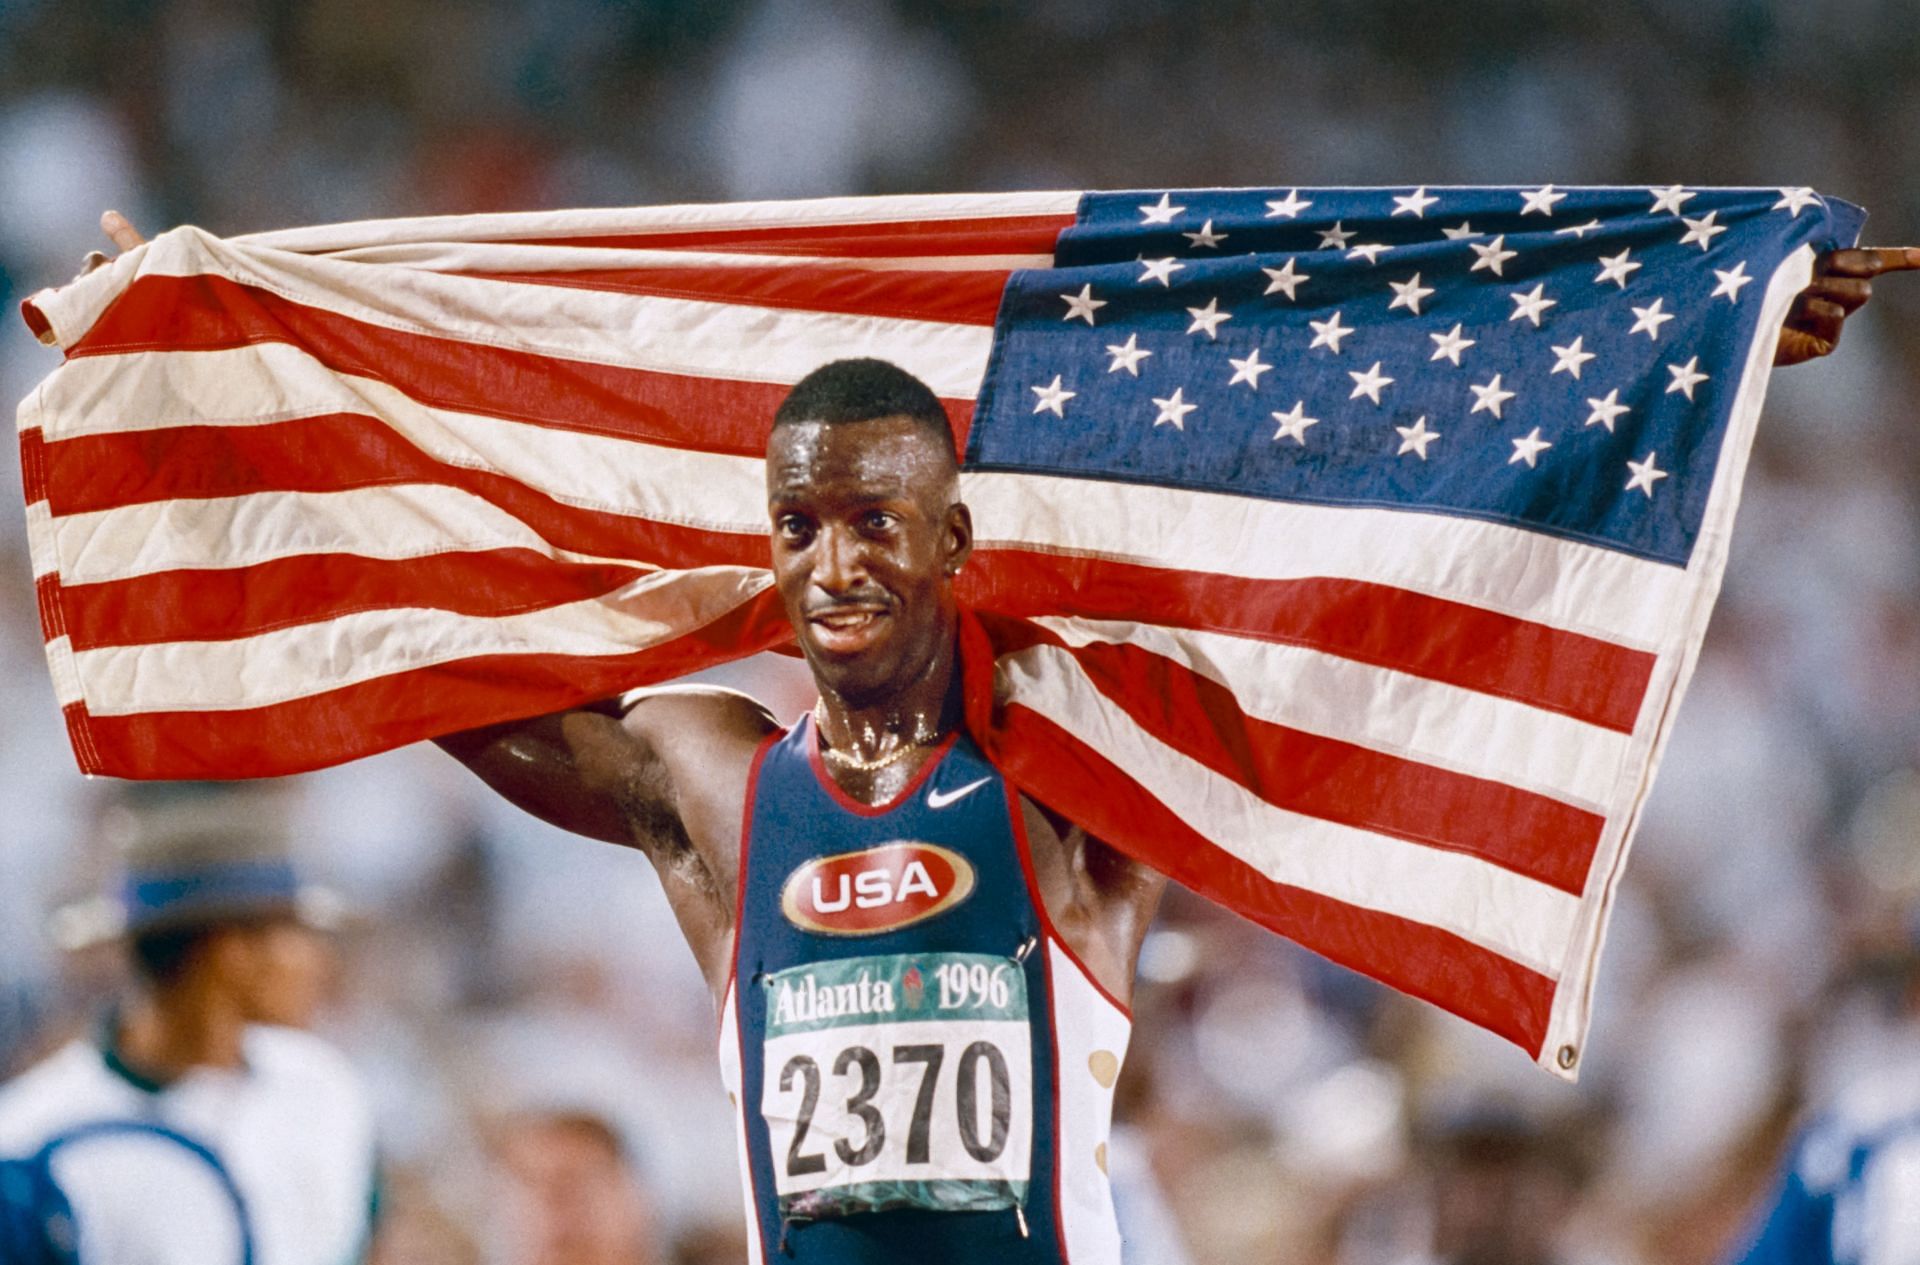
(536, 1040)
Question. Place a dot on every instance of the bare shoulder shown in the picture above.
(702, 739)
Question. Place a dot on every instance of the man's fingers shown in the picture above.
(1850, 293)
(123, 233)
(1870, 261)
(1823, 318)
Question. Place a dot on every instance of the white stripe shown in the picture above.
(1522, 573)
(1383, 710)
(1505, 912)
(40, 539)
(274, 382)
(492, 257)
(290, 663)
(805, 212)
(66, 678)
(663, 335)
(408, 520)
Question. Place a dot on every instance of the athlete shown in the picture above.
(922, 975)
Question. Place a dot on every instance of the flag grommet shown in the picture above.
(1567, 1057)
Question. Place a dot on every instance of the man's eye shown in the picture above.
(880, 520)
(792, 528)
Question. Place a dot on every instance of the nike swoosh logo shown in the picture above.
(937, 799)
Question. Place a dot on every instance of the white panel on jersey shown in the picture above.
(1090, 1044)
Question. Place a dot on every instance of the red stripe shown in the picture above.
(1580, 676)
(33, 464)
(392, 711)
(955, 297)
(1336, 781)
(198, 605)
(983, 235)
(207, 313)
(1438, 966)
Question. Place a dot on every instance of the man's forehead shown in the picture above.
(885, 455)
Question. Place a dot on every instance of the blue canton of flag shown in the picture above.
(1567, 360)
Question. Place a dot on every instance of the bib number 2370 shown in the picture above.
(899, 1081)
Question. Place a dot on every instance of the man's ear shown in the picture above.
(959, 537)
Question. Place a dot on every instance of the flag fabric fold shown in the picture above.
(1343, 554)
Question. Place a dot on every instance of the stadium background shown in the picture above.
(1284, 1111)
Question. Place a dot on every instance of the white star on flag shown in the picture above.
(1617, 268)
(1286, 278)
(1702, 230)
(1248, 370)
(1571, 357)
(1531, 304)
(1207, 319)
(1669, 199)
(1796, 200)
(1414, 204)
(1645, 475)
(1731, 279)
(1081, 305)
(1415, 438)
(1685, 378)
(1460, 232)
(1161, 212)
(1528, 448)
(1407, 294)
(1160, 270)
(1174, 409)
(1540, 201)
(1370, 252)
(1651, 318)
(1127, 355)
(1294, 423)
(1335, 238)
(1288, 207)
(1206, 237)
(1492, 255)
(1369, 384)
(1328, 333)
(1605, 411)
(1052, 398)
(1577, 230)
(1489, 397)
(1450, 344)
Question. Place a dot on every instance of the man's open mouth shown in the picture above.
(848, 630)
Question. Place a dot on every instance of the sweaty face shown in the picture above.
(866, 538)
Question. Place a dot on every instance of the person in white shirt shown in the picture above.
(200, 1125)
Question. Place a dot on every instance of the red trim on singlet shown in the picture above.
(1053, 1035)
(1024, 849)
(733, 973)
(740, 875)
(848, 802)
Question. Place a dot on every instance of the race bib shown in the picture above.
(899, 1081)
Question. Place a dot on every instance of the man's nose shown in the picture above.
(840, 565)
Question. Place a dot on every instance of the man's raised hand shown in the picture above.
(1842, 283)
(123, 234)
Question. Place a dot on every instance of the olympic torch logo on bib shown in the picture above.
(876, 889)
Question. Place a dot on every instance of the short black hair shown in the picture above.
(861, 390)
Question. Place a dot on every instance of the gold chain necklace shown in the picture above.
(847, 760)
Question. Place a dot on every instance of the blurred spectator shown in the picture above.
(570, 1195)
(199, 1124)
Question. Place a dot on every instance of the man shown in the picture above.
(922, 975)
(200, 1125)
(570, 1195)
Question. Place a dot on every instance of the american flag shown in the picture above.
(1343, 553)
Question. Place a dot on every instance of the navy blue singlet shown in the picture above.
(891, 1033)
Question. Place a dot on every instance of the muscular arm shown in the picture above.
(629, 770)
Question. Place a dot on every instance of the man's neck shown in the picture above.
(168, 1033)
(919, 714)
